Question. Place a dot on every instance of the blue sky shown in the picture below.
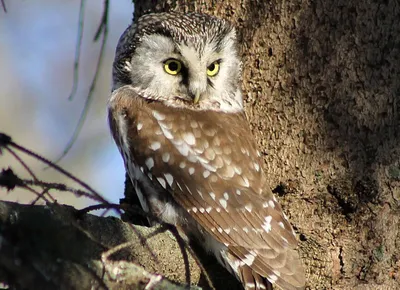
(37, 49)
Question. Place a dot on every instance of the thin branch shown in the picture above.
(22, 162)
(103, 27)
(45, 191)
(62, 187)
(4, 6)
(59, 169)
(78, 49)
(39, 195)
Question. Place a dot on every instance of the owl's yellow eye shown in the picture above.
(213, 69)
(172, 66)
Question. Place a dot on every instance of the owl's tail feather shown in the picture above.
(255, 266)
(253, 281)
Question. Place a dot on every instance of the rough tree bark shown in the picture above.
(321, 85)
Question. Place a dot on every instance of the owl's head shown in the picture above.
(182, 60)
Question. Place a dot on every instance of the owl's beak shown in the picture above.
(196, 98)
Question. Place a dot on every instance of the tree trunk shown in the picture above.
(321, 86)
(321, 81)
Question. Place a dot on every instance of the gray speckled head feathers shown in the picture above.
(178, 26)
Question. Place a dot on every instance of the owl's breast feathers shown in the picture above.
(208, 162)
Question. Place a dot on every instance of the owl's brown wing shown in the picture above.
(208, 162)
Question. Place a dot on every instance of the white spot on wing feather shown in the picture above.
(206, 173)
(162, 182)
(158, 115)
(149, 163)
(155, 146)
(271, 203)
(249, 207)
(169, 178)
(166, 156)
(223, 203)
(189, 138)
(249, 259)
(267, 225)
(212, 195)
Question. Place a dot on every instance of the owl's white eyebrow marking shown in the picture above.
(191, 170)
(139, 126)
(149, 163)
(169, 178)
(206, 173)
(165, 157)
(158, 115)
(155, 146)
(162, 182)
(271, 203)
(267, 225)
(189, 138)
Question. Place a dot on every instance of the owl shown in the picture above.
(177, 117)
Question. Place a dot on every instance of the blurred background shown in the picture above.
(37, 51)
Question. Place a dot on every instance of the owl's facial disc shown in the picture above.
(195, 73)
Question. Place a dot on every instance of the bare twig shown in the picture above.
(78, 49)
(103, 28)
(4, 6)
(22, 162)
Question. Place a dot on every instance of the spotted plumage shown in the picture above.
(187, 147)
